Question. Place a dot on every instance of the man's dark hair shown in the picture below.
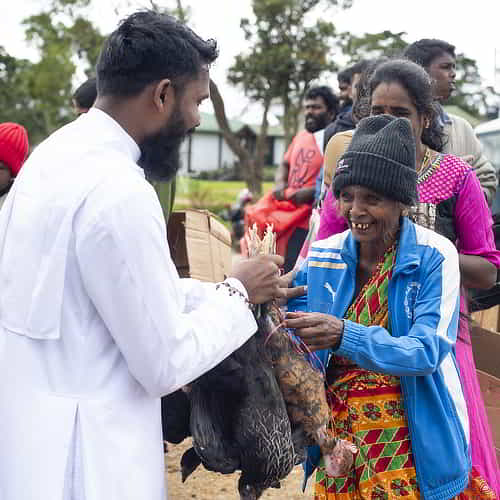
(326, 93)
(415, 80)
(147, 47)
(85, 95)
(424, 51)
(345, 76)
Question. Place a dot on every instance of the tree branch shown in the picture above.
(221, 117)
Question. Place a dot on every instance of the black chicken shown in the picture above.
(244, 410)
(175, 411)
(239, 422)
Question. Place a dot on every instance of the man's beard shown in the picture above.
(317, 122)
(160, 153)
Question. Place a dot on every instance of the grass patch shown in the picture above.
(212, 195)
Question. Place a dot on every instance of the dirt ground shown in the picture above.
(205, 485)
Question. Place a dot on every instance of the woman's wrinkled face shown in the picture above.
(371, 216)
(393, 99)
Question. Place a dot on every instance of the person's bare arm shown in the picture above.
(303, 195)
(477, 272)
(281, 180)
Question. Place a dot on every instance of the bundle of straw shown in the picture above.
(264, 246)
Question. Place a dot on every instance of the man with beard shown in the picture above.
(296, 177)
(95, 323)
(439, 60)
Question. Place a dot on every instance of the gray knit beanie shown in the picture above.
(381, 157)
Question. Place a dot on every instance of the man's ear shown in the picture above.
(162, 94)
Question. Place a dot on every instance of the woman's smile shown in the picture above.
(363, 230)
(360, 226)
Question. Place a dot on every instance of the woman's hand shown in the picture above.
(317, 330)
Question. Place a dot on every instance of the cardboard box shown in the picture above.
(488, 318)
(486, 348)
(200, 245)
(490, 389)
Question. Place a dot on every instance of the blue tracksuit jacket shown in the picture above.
(423, 314)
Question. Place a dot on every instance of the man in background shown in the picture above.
(345, 120)
(344, 79)
(14, 149)
(296, 177)
(439, 60)
(85, 96)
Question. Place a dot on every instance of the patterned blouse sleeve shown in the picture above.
(473, 221)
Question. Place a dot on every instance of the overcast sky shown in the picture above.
(473, 27)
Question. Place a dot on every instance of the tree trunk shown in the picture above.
(252, 173)
(260, 152)
(250, 165)
(287, 120)
(220, 114)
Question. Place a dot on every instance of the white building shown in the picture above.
(206, 148)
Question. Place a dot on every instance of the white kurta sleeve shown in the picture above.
(170, 331)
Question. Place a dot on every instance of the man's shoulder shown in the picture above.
(459, 122)
(307, 139)
(301, 134)
(72, 169)
(342, 123)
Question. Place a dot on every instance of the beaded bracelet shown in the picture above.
(232, 291)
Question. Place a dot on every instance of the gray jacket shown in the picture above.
(460, 141)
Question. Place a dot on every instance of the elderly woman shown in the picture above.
(451, 202)
(391, 291)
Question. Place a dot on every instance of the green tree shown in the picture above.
(372, 45)
(470, 95)
(16, 103)
(289, 49)
(38, 94)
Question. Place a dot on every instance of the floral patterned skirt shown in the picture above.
(367, 409)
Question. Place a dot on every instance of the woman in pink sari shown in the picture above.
(452, 203)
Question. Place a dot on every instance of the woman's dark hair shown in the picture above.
(326, 93)
(415, 80)
(86, 94)
(361, 106)
(146, 47)
(424, 51)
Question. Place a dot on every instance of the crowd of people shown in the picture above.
(96, 325)
(367, 198)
